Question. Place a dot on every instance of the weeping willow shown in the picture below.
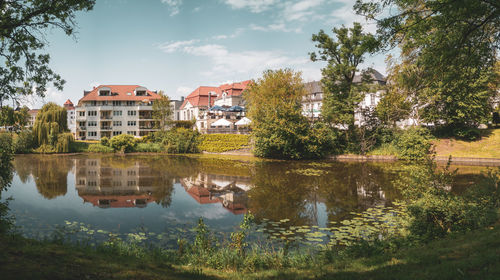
(64, 140)
(50, 122)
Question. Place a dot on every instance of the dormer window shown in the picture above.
(104, 91)
(141, 91)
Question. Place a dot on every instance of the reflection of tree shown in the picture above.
(277, 195)
(49, 173)
(164, 186)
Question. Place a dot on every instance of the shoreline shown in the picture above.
(493, 162)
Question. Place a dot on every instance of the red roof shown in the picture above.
(199, 97)
(68, 102)
(119, 93)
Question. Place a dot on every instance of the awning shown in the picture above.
(217, 108)
(236, 109)
(221, 122)
(243, 121)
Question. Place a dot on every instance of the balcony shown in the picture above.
(145, 117)
(105, 127)
(147, 127)
(106, 117)
(82, 128)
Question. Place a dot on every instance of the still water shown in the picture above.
(160, 193)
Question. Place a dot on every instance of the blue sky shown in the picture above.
(178, 45)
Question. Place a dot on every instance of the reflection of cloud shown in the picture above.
(210, 212)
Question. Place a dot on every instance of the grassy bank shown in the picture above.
(474, 255)
(487, 147)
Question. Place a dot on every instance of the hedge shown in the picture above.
(218, 143)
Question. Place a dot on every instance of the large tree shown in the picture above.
(448, 50)
(51, 121)
(279, 129)
(343, 54)
(162, 111)
(24, 68)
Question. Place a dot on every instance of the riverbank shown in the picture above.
(473, 255)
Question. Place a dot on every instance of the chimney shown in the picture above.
(182, 98)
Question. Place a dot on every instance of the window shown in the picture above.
(92, 113)
(131, 173)
(117, 183)
(130, 103)
(92, 133)
(93, 103)
(117, 103)
(131, 133)
(81, 113)
(117, 123)
(116, 133)
(132, 113)
(140, 93)
(131, 123)
(117, 172)
(131, 183)
(104, 93)
(81, 123)
(117, 113)
(92, 123)
(104, 103)
(372, 99)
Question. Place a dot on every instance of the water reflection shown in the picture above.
(165, 191)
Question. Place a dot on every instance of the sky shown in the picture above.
(177, 45)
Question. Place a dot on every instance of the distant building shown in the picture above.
(110, 110)
(70, 108)
(176, 108)
(207, 104)
(32, 117)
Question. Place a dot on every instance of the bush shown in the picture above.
(23, 142)
(149, 147)
(218, 143)
(182, 124)
(180, 140)
(98, 148)
(64, 141)
(413, 143)
(467, 133)
(5, 159)
(105, 141)
(124, 143)
(45, 149)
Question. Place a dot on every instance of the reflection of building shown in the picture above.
(230, 191)
(105, 186)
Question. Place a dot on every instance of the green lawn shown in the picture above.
(487, 147)
(475, 255)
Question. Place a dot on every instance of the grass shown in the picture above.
(218, 143)
(473, 255)
(487, 147)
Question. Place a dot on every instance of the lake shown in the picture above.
(168, 194)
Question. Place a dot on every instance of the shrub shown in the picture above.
(413, 143)
(23, 142)
(180, 140)
(148, 147)
(105, 141)
(5, 159)
(45, 149)
(124, 143)
(98, 148)
(467, 133)
(182, 124)
(218, 143)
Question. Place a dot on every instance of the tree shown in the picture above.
(343, 55)
(22, 23)
(448, 49)
(51, 121)
(278, 127)
(162, 112)
(6, 116)
(21, 117)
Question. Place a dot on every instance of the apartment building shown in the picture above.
(110, 110)
(70, 108)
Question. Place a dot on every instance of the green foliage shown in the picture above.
(50, 121)
(435, 211)
(413, 143)
(218, 143)
(23, 142)
(162, 112)
(183, 124)
(124, 143)
(393, 107)
(467, 133)
(64, 141)
(6, 116)
(149, 147)
(238, 238)
(343, 55)
(180, 140)
(21, 117)
(5, 160)
(45, 149)
(104, 141)
(24, 24)
(99, 148)
(279, 129)
(446, 66)
(79, 146)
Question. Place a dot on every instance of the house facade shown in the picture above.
(110, 110)
(70, 108)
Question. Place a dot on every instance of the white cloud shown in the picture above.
(255, 6)
(302, 10)
(346, 15)
(183, 91)
(173, 6)
(170, 47)
(274, 27)
(230, 36)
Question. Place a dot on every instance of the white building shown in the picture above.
(110, 110)
(70, 108)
